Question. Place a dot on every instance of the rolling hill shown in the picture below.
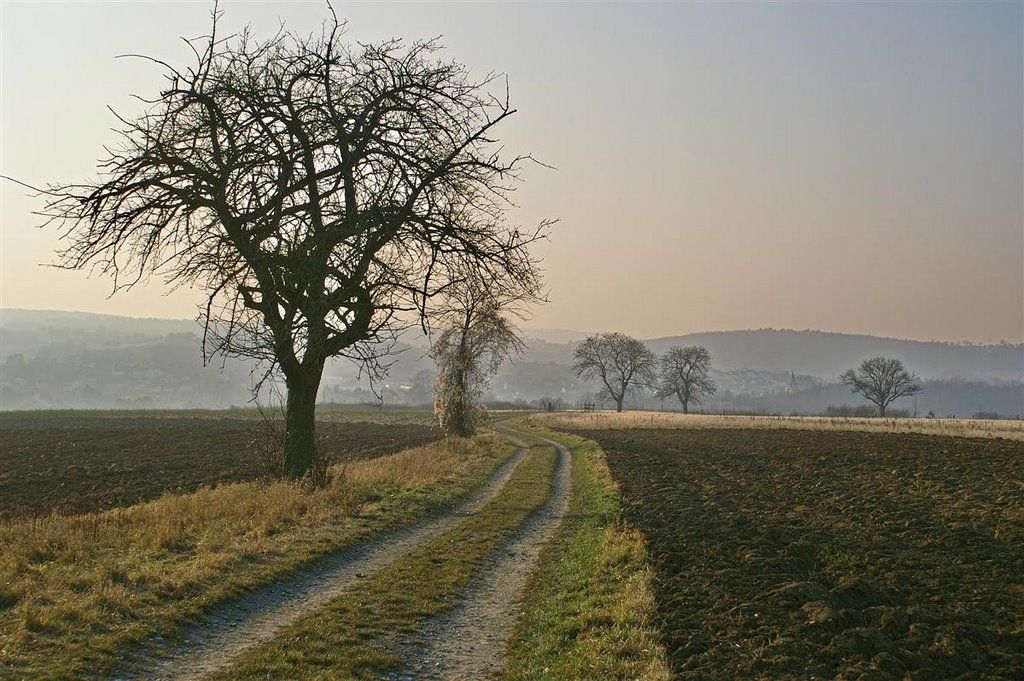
(72, 359)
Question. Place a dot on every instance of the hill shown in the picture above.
(825, 354)
(51, 359)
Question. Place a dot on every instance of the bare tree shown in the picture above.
(620, 362)
(881, 380)
(684, 373)
(321, 193)
(478, 335)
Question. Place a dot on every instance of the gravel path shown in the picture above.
(468, 642)
(258, 616)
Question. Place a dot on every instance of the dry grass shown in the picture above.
(75, 589)
(1008, 429)
(349, 637)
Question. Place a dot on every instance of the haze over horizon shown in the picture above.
(548, 334)
(844, 167)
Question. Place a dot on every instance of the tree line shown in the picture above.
(622, 365)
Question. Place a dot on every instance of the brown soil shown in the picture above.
(85, 463)
(794, 554)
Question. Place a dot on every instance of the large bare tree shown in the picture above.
(321, 193)
(684, 374)
(881, 380)
(478, 333)
(621, 363)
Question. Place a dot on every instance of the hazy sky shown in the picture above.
(843, 166)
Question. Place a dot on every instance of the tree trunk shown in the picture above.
(618, 403)
(300, 424)
(453, 403)
(881, 411)
(686, 406)
(461, 424)
(462, 421)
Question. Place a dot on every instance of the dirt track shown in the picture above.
(467, 642)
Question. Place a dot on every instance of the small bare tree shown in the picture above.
(620, 362)
(684, 373)
(478, 334)
(320, 193)
(881, 380)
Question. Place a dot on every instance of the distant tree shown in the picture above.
(477, 335)
(320, 193)
(422, 389)
(881, 380)
(620, 362)
(684, 373)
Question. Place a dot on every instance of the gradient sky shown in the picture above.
(851, 167)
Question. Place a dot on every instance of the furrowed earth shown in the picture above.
(91, 461)
(847, 555)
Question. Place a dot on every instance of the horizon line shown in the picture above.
(526, 329)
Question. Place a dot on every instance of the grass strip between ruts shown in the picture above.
(344, 639)
(590, 609)
(79, 594)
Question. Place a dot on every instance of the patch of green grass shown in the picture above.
(589, 615)
(342, 639)
(79, 591)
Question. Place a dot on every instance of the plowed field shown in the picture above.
(796, 554)
(82, 463)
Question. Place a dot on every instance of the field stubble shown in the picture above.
(1006, 429)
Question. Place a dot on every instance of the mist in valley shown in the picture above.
(64, 360)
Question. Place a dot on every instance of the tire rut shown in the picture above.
(259, 615)
(469, 641)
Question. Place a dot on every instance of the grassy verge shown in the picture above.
(590, 607)
(77, 590)
(344, 639)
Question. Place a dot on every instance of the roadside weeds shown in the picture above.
(590, 609)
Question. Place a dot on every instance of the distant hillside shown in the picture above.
(77, 360)
(25, 332)
(74, 360)
(555, 336)
(816, 353)
(828, 354)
